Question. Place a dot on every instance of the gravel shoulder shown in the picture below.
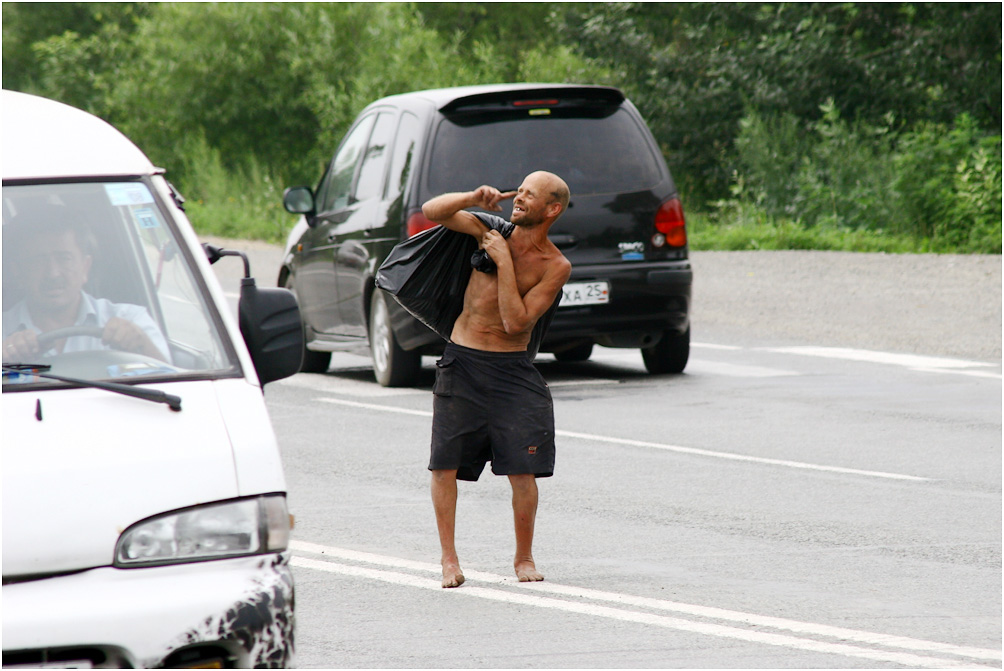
(941, 305)
(938, 305)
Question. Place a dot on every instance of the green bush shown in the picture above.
(948, 185)
(939, 185)
(245, 202)
(974, 224)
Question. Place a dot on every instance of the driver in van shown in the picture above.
(53, 265)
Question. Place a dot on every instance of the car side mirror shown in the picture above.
(270, 323)
(299, 200)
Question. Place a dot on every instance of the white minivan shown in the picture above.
(144, 502)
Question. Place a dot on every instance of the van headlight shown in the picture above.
(230, 529)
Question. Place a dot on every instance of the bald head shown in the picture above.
(540, 199)
(553, 186)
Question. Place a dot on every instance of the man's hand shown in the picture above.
(20, 346)
(496, 246)
(488, 197)
(126, 336)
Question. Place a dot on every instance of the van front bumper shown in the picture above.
(238, 612)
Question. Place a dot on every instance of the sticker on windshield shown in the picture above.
(146, 218)
(128, 193)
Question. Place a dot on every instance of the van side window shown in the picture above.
(401, 160)
(336, 186)
(370, 182)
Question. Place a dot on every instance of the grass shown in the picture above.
(242, 203)
(709, 233)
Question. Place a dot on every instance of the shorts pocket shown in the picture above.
(444, 377)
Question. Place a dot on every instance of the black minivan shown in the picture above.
(623, 232)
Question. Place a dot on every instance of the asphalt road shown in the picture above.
(820, 489)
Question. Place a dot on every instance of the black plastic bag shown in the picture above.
(428, 275)
(429, 272)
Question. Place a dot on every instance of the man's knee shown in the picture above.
(442, 475)
(523, 483)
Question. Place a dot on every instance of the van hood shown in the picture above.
(97, 462)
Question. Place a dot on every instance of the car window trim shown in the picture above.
(387, 111)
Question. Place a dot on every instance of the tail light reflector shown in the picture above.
(670, 223)
(417, 223)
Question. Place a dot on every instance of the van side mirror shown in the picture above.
(299, 200)
(270, 323)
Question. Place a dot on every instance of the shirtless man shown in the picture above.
(490, 403)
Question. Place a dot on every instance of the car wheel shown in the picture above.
(669, 355)
(580, 352)
(313, 362)
(392, 366)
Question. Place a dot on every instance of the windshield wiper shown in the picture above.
(41, 370)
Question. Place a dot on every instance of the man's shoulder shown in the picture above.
(16, 318)
(560, 264)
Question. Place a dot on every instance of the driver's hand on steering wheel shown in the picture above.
(20, 346)
(123, 335)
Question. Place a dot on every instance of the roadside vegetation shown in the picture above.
(851, 126)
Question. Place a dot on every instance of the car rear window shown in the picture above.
(593, 154)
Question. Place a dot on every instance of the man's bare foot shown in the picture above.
(526, 571)
(452, 576)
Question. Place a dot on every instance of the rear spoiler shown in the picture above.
(552, 97)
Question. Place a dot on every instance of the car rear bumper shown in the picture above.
(646, 299)
(239, 609)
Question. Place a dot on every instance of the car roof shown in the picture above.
(45, 139)
(445, 97)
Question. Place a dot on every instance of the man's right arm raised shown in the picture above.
(449, 209)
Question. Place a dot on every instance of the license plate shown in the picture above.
(585, 293)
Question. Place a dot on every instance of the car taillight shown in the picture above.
(418, 223)
(535, 103)
(670, 227)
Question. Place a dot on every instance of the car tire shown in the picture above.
(313, 362)
(392, 366)
(669, 355)
(580, 352)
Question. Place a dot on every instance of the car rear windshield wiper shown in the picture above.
(41, 370)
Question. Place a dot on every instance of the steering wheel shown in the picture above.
(45, 340)
(93, 364)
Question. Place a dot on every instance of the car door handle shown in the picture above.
(561, 240)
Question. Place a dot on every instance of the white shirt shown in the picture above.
(93, 312)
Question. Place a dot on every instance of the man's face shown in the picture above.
(529, 207)
(56, 271)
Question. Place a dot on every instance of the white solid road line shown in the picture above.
(741, 457)
(925, 364)
(508, 590)
(661, 446)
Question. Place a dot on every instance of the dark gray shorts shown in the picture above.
(491, 406)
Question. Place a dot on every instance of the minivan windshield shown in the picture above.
(609, 154)
(96, 285)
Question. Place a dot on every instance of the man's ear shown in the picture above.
(553, 210)
(87, 261)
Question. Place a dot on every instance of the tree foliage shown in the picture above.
(696, 69)
(270, 88)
